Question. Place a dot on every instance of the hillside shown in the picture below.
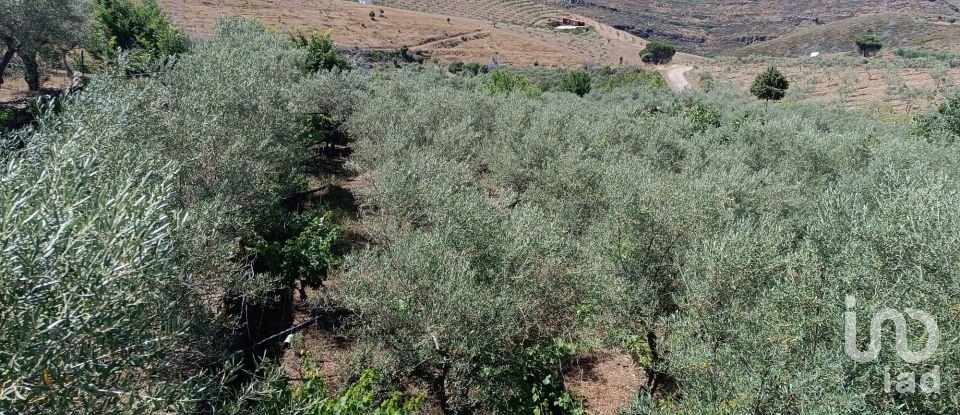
(713, 27)
(445, 32)
(895, 29)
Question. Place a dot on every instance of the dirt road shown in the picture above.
(676, 79)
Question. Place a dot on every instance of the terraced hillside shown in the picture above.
(507, 34)
(712, 27)
(895, 29)
(455, 39)
(510, 11)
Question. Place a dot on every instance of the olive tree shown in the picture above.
(30, 28)
(127, 219)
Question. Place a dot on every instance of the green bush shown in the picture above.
(770, 85)
(475, 68)
(940, 124)
(628, 78)
(6, 117)
(312, 396)
(307, 256)
(576, 82)
(704, 118)
(657, 53)
(137, 26)
(503, 82)
(322, 55)
(455, 67)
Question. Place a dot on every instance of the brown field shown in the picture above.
(462, 38)
(508, 11)
(717, 27)
(896, 92)
(931, 32)
(13, 92)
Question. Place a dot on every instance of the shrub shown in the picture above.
(629, 78)
(943, 122)
(274, 395)
(576, 82)
(322, 55)
(657, 53)
(456, 67)
(868, 44)
(307, 256)
(770, 85)
(704, 117)
(373, 15)
(475, 68)
(141, 26)
(6, 117)
(503, 82)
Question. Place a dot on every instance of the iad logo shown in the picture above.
(907, 381)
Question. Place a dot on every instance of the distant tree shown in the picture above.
(373, 15)
(577, 82)
(40, 27)
(322, 54)
(143, 26)
(770, 85)
(657, 53)
(455, 67)
(868, 45)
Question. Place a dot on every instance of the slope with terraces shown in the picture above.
(513, 32)
(713, 27)
(522, 12)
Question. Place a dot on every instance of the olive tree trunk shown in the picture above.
(31, 69)
(4, 61)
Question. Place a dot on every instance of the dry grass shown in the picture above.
(461, 38)
(507, 11)
(715, 27)
(851, 86)
(605, 381)
(895, 29)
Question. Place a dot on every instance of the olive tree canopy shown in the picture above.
(29, 27)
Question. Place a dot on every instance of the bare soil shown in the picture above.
(874, 90)
(606, 381)
(444, 37)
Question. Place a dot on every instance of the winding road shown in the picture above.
(676, 79)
